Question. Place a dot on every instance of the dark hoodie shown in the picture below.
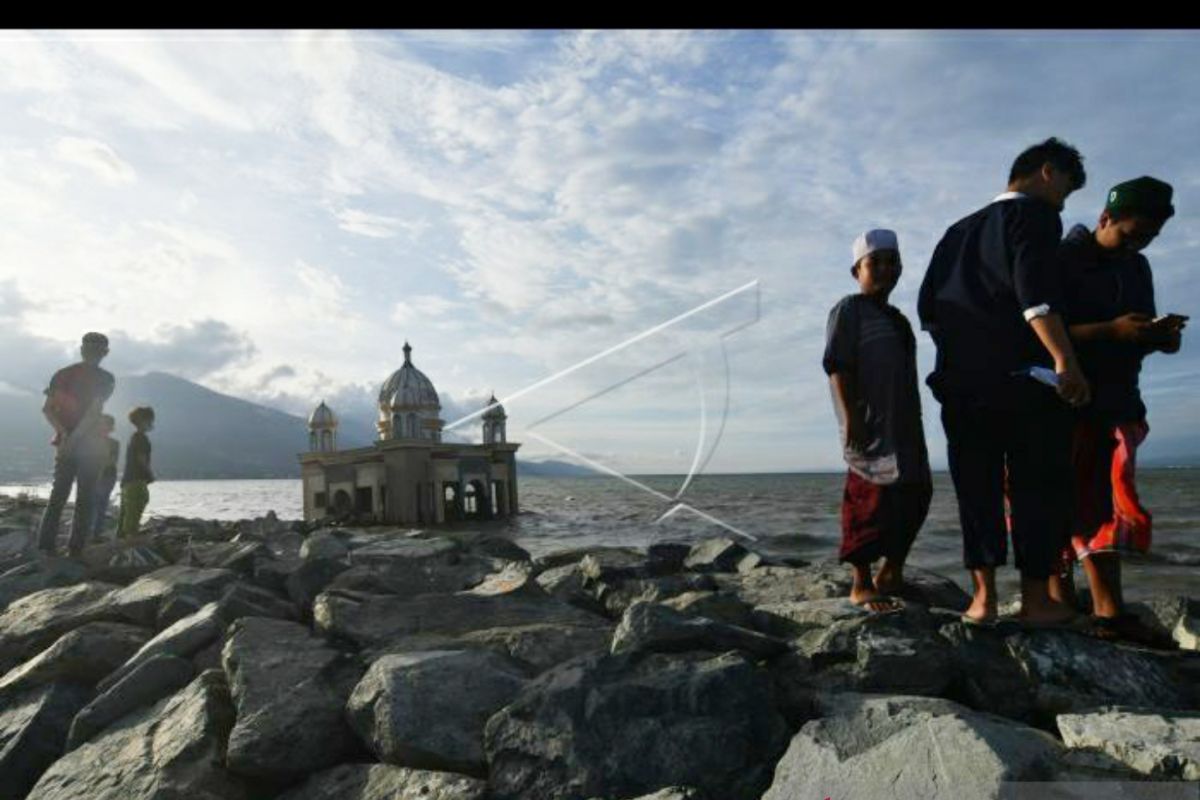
(1101, 285)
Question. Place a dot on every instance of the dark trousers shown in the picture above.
(1022, 435)
(80, 468)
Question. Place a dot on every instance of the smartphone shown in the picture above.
(1171, 320)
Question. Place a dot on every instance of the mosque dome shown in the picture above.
(322, 417)
(408, 387)
(494, 410)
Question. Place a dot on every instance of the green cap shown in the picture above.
(1144, 195)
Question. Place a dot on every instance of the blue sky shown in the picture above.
(273, 214)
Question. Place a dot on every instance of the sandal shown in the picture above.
(894, 604)
(1129, 627)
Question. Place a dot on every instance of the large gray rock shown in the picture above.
(290, 689)
(901, 652)
(379, 621)
(1161, 745)
(33, 728)
(36, 621)
(401, 553)
(719, 606)
(239, 557)
(624, 725)
(141, 600)
(125, 563)
(618, 596)
(309, 579)
(771, 585)
(655, 627)
(82, 656)
(568, 583)
(183, 639)
(169, 751)
(323, 545)
(721, 555)
(536, 647)
(409, 577)
(246, 600)
(150, 682)
(427, 709)
(1177, 617)
(1072, 672)
(798, 617)
(614, 557)
(38, 574)
(385, 782)
(897, 746)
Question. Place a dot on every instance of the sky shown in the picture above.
(632, 238)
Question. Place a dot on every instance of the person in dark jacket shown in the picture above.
(1111, 313)
(992, 302)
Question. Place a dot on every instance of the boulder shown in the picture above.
(427, 709)
(721, 555)
(246, 600)
(568, 584)
(655, 627)
(33, 576)
(149, 682)
(900, 652)
(183, 639)
(378, 621)
(1161, 745)
(718, 606)
(770, 585)
(1072, 672)
(898, 746)
(385, 782)
(309, 579)
(618, 596)
(289, 688)
(82, 656)
(141, 600)
(1178, 617)
(34, 622)
(402, 553)
(33, 728)
(323, 545)
(628, 724)
(168, 751)
(610, 556)
(536, 647)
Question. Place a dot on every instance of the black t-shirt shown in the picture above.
(874, 344)
(1102, 285)
(137, 459)
(988, 270)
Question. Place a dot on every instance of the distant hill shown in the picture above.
(198, 434)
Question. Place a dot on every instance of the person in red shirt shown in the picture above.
(74, 406)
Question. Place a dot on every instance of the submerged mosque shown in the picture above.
(409, 475)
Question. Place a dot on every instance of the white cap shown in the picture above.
(877, 239)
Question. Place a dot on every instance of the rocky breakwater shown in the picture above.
(262, 659)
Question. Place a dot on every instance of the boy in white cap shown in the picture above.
(870, 357)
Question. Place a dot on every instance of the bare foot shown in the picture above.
(981, 610)
(872, 600)
(889, 579)
(1048, 613)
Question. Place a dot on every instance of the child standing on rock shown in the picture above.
(108, 475)
(870, 357)
(135, 492)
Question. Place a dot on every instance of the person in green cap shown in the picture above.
(1112, 317)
